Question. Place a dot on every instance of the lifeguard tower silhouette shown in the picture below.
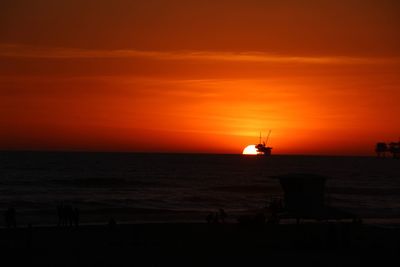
(304, 198)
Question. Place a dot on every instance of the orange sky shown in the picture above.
(199, 76)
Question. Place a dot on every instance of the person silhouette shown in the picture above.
(60, 214)
(76, 217)
(216, 218)
(111, 224)
(10, 218)
(222, 215)
(210, 217)
(69, 215)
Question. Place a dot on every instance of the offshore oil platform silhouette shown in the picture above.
(382, 148)
(262, 148)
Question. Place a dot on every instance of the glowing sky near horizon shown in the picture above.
(198, 76)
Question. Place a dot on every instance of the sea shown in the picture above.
(152, 188)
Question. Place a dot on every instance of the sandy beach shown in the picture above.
(200, 244)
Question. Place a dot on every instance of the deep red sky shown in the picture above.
(199, 76)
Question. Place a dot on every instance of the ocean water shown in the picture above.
(183, 187)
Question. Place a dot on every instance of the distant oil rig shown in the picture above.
(262, 148)
(382, 148)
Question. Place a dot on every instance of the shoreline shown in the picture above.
(181, 218)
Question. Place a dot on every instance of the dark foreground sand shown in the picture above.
(197, 244)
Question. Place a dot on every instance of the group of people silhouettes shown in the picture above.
(217, 217)
(67, 215)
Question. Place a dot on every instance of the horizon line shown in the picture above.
(176, 152)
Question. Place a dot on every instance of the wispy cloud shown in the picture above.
(25, 51)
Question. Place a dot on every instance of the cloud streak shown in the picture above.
(26, 51)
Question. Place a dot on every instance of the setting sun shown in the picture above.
(250, 150)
